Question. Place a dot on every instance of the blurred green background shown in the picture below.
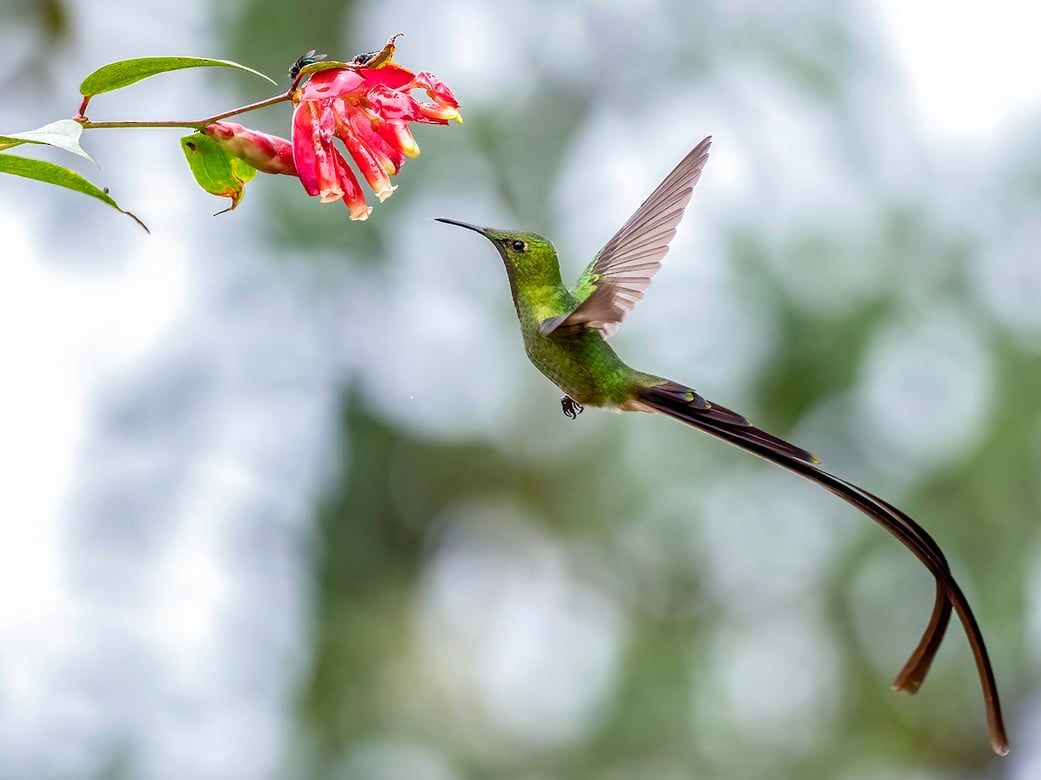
(283, 498)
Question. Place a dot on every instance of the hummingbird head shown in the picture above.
(530, 259)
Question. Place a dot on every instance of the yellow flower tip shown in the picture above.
(331, 196)
(385, 192)
(448, 113)
(361, 215)
(406, 143)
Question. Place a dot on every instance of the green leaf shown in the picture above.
(63, 177)
(216, 171)
(65, 134)
(123, 73)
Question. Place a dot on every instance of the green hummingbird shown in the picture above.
(565, 336)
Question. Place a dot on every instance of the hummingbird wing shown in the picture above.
(622, 270)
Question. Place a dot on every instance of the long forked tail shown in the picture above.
(683, 404)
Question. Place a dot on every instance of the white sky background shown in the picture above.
(969, 68)
(78, 344)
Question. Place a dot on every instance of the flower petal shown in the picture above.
(365, 125)
(332, 83)
(433, 113)
(353, 197)
(390, 75)
(391, 104)
(436, 88)
(400, 137)
(306, 147)
(369, 163)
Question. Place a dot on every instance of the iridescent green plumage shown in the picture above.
(565, 334)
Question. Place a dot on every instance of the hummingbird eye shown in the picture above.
(519, 246)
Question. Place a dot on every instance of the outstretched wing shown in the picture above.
(622, 270)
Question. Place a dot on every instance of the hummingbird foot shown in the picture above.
(570, 407)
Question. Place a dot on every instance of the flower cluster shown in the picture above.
(368, 109)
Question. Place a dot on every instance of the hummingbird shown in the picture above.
(566, 334)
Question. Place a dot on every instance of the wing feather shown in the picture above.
(623, 269)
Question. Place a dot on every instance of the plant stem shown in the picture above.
(195, 123)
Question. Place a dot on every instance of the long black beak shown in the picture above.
(467, 225)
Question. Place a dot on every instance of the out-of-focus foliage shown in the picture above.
(456, 563)
(494, 591)
(40, 25)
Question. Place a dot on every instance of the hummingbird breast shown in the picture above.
(582, 365)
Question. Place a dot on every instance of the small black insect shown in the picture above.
(308, 59)
(364, 58)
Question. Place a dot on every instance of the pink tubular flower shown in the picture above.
(368, 109)
(367, 105)
(266, 153)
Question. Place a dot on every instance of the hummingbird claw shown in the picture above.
(570, 407)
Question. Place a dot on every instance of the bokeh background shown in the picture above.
(280, 496)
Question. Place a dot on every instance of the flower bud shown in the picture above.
(266, 153)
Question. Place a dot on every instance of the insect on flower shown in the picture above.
(302, 62)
